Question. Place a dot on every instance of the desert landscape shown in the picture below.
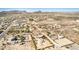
(20, 30)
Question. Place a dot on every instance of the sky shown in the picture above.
(42, 9)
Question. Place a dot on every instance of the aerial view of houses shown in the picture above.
(39, 29)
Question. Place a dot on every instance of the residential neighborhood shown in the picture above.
(39, 30)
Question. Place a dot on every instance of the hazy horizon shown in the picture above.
(41, 9)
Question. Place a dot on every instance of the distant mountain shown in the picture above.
(4, 13)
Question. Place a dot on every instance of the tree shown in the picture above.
(31, 19)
